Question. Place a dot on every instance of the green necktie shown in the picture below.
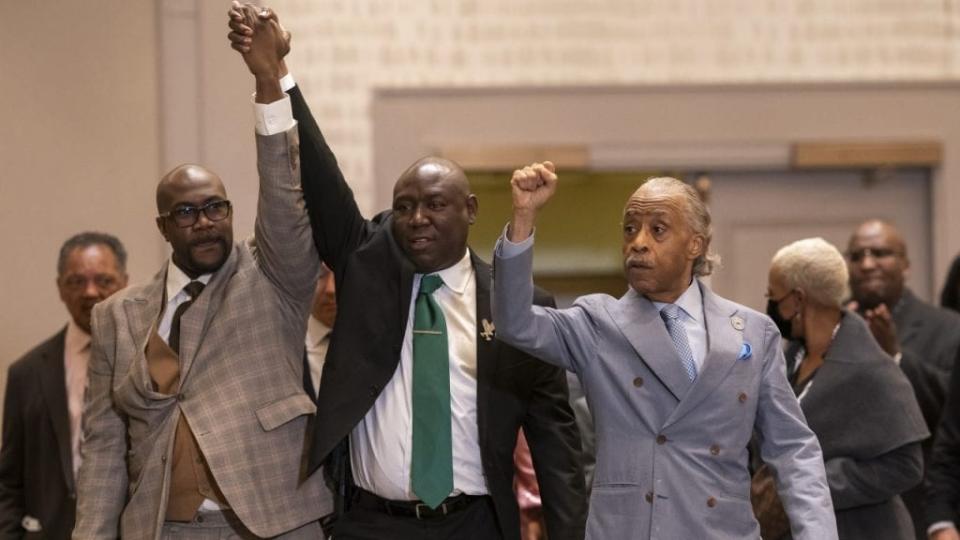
(432, 472)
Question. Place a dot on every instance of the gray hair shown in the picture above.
(698, 218)
(817, 267)
(87, 239)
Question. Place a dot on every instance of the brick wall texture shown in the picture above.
(344, 49)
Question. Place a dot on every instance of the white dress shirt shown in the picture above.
(381, 444)
(316, 342)
(76, 358)
(176, 281)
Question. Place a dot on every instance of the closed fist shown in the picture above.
(533, 186)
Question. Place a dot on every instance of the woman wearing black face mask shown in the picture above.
(854, 397)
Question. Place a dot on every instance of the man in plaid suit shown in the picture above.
(196, 418)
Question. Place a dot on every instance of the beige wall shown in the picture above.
(79, 149)
(99, 98)
(344, 49)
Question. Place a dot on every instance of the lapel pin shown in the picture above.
(31, 524)
(737, 322)
(488, 330)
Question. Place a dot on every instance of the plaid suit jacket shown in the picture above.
(240, 385)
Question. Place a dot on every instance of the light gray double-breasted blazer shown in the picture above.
(240, 380)
(672, 453)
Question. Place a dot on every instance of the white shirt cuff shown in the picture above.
(939, 526)
(273, 118)
(287, 82)
(510, 249)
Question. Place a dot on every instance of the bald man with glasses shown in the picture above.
(922, 338)
(196, 418)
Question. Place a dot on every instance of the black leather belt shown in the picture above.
(414, 509)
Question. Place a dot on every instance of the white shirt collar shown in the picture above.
(691, 302)
(77, 339)
(316, 331)
(177, 280)
(457, 276)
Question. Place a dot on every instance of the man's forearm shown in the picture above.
(521, 225)
(268, 88)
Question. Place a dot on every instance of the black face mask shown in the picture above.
(784, 325)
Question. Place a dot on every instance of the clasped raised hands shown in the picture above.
(256, 34)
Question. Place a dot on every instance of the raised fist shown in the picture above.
(533, 186)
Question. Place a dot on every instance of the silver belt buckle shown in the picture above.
(416, 509)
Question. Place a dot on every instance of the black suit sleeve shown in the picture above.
(338, 227)
(554, 440)
(930, 382)
(12, 505)
(856, 483)
(943, 473)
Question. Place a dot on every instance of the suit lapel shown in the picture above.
(723, 347)
(486, 346)
(406, 271)
(196, 321)
(143, 310)
(908, 324)
(640, 322)
(54, 387)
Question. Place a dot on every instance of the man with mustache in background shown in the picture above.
(40, 453)
(196, 418)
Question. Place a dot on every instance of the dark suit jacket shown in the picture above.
(943, 470)
(929, 339)
(374, 281)
(36, 463)
(866, 418)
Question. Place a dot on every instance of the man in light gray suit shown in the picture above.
(196, 418)
(677, 378)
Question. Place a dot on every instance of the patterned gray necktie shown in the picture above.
(671, 317)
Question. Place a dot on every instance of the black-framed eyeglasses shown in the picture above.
(859, 255)
(186, 215)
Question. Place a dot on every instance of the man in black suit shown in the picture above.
(922, 338)
(943, 474)
(44, 398)
(443, 470)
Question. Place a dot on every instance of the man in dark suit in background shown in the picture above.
(414, 378)
(44, 398)
(319, 327)
(922, 338)
(943, 473)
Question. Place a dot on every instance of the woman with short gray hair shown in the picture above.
(853, 395)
